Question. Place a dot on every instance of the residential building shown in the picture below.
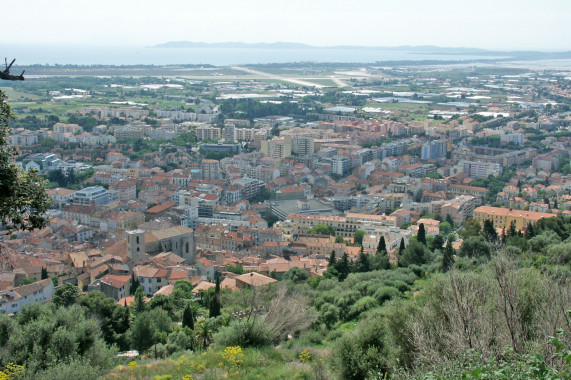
(504, 217)
(94, 195)
(210, 169)
(151, 278)
(115, 285)
(14, 299)
(479, 169)
(340, 165)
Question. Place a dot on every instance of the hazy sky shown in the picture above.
(494, 24)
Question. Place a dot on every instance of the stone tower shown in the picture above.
(136, 245)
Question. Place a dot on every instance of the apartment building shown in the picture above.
(503, 217)
(207, 132)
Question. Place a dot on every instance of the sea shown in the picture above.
(141, 55)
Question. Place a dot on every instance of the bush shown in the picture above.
(386, 293)
(74, 369)
(362, 353)
(243, 333)
(362, 305)
(328, 314)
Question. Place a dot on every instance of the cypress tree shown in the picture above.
(402, 246)
(448, 257)
(490, 231)
(134, 285)
(450, 220)
(332, 259)
(382, 245)
(139, 300)
(343, 267)
(421, 235)
(529, 232)
(44, 273)
(363, 264)
(188, 318)
(215, 302)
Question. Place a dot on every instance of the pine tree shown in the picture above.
(188, 318)
(448, 256)
(44, 273)
(421, 235)
(402, 246)
(382, 245)
(215, 302)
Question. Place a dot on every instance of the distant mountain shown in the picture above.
(425, 49)
(236, 45)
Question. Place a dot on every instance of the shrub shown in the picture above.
(359, 354)
(386, 293)
(362, 305)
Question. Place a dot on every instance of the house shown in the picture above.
(202, 286)
(253, 280)
(115, 285)
(206, 268)
(14, 299)
(152, 279)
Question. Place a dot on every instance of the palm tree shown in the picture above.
(204, 332)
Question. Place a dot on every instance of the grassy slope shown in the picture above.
(257, 363)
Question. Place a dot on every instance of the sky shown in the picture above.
(489, 24)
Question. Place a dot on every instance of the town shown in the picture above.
(247, 176)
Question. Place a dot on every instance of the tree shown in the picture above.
(5, 74)
(363, 263)
(332, 259)
(471, 228)
(529, 232)
(188, 317)
(322, 229)
(445, 228)
(475, 246)
(44, 273)
(214, 309)
(416, 253)
(296, 275)
(448, 256)
(382, 247)
(66, 295)
(437, 243)
(134, 285)
(421, 234)
(490, 231)
(23, 199)
(358, 237)
(140, 305)
(512, 230)
(342, 267)
(339, 239)
(450, 220)
(401, 246)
